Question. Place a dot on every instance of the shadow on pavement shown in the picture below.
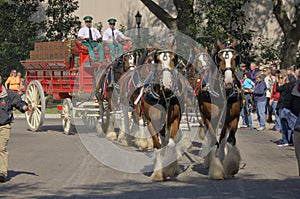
(12, 174)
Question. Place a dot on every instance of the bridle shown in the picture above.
(226, 52)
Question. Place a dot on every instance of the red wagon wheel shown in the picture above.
(35, 98)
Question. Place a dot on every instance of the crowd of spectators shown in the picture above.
(273, 95)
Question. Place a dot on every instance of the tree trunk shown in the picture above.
(185, 16)
(161, 14)
(289, 51)
(291, 31)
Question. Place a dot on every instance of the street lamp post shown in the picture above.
(138, 18)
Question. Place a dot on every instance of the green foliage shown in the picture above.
(62, 24)
(122, 28)
(267, 51)
(18, 33)
(99, 26)
(220, 19)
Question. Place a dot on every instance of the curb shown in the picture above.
(48, 116)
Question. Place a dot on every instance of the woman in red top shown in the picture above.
(273, 103)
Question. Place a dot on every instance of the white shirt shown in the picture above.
(107, 35)
(84, 31)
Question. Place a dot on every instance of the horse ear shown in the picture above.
(234, 43)
(220, 45)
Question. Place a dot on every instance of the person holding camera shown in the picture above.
(91, 37)
(285, 86)
(111, 37)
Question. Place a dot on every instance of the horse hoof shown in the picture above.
(201, 133)
(216, 170)
(231, 162)
(123, 142)
(141, 143)
(121, 136)
(171, 170)
(157, 176)
(111, 136)
(150, 144)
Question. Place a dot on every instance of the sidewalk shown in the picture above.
(255, 122)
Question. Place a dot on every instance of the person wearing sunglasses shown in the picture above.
(284, 88)
(13, 81)
(111, 38)
(91, 38)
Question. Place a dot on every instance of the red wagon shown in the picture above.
(61, 70)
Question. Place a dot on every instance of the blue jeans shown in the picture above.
(277, 119)
(285, 131)
(249, 117)
(260, 110)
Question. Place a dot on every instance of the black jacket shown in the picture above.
(292, 101)
(284, 90)
(8, 100)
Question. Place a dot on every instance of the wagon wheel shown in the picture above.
(104, 113)
(89, 121)
(67, 116)
(35, 98)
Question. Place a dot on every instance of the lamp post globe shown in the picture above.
(138, 18)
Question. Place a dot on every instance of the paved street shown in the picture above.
(49, 164)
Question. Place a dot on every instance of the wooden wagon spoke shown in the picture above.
(34, 92)
(68, 117)
(38, 111)
(36, 99)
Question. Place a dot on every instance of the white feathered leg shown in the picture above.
(157, 174)
(231, 162)
(216, 170)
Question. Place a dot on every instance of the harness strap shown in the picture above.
(199, 83)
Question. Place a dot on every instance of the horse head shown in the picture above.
(166, 64)
(227, 64)
(202, 60)
(129, 60)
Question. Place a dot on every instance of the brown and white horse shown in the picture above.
(223, 158)
(106, 80)
(162, 112)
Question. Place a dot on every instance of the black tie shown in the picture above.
(113, 35)
(90, 34)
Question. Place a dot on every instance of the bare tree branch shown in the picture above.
(160, 13)
(281, 15)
